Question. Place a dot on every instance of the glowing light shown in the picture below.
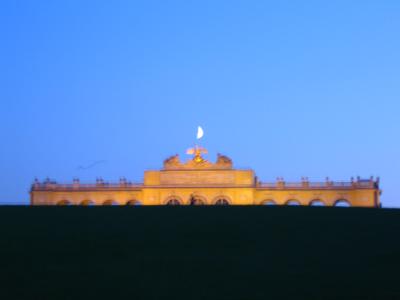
(200, 132)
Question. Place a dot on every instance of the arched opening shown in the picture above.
(342, 203)
(64, 203)
(221, 201)
(317, 202)
(197, 200)
(293, 202)
(87, 203)
(268, 202)
(133, 203)
(110, 202)
(173, 201)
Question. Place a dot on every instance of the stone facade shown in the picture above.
(200, 182)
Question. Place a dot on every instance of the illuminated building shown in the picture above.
(201, 182)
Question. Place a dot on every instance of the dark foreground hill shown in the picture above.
(199, 253)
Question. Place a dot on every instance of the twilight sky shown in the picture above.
(288, 88)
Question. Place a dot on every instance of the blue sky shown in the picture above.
(288, 88)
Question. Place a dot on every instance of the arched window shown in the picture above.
(268, 202)
(293, 202)
(173, 202)
(133, 203)
(110, 202)
(317, 202)
(342, 203)
(87, 203)
(222, 201)
(64, 203)
(196, 201)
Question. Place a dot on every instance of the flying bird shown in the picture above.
(93, 164)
